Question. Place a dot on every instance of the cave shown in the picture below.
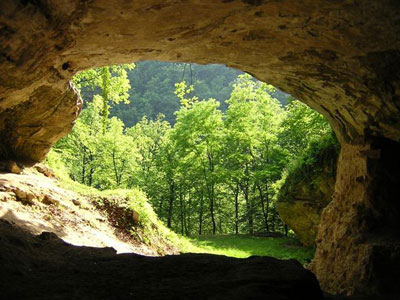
(341, 58)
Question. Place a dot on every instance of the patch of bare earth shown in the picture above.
(36, 203)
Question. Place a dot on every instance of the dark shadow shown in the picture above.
(45, 267)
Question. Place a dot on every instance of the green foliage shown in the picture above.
(113, 84)
(153, 87)
(95, 158)
(301, 126)
(217, 170)
(149, 229)
(322, 152)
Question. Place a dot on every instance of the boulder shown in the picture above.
(135, 217)
(10, 166)
(24, 195)
(306, 191)
(50, 200)
(45, 171)
(76, 202)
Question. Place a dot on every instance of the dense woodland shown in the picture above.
(153, 89)
(210, 146)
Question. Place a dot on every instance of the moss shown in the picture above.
(307, 187)
(305, 172)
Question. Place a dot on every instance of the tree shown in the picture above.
(252, 122)
(198, 134)
(205, 169)
(113, 84)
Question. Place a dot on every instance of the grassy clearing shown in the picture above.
(243, 246)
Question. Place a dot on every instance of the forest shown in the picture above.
(210, 146)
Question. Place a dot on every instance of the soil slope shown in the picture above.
(36, 203)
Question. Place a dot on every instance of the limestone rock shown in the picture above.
(360, 228)
(12, 166)
(340, 57)
(45, 171)
(76, 202)
(50, 200)
(135, 217)
(24, 195)
(307, 190)
(7, 196)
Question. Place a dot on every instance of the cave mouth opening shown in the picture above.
(216, 152)
(358, 92)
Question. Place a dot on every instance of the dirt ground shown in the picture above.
(36, 203)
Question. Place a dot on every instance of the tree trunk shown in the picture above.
(237, 208)
(273, 220)
(115, 167)
(245, 190)
(182, 212)
(91, 170)
(249, 210)
(188, 213)
(201, 215)
(83, 167)
(171, 201)
(214, 226)
(264, 206)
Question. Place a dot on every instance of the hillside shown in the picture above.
(84, 217)
(153, 85)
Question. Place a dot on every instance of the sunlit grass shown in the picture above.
(243, 246)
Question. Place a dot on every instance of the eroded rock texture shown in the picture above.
(340, 57)
(358, 247)
(307, 190)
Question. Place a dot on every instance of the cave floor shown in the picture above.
(45, 267)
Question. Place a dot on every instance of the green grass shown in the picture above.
(243, 246)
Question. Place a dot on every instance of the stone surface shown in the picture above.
(44, 267)
(340, 57)
(50, 200)
(41, 168)
(306, 191)
(7, 196)
(12, 167)
(359, 233)
(135, 217)
(82, 224)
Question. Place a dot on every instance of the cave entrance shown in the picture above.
(216, 151)
(340, 57)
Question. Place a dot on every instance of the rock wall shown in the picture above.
(307, 190)
(340, 57)
(360, 229)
